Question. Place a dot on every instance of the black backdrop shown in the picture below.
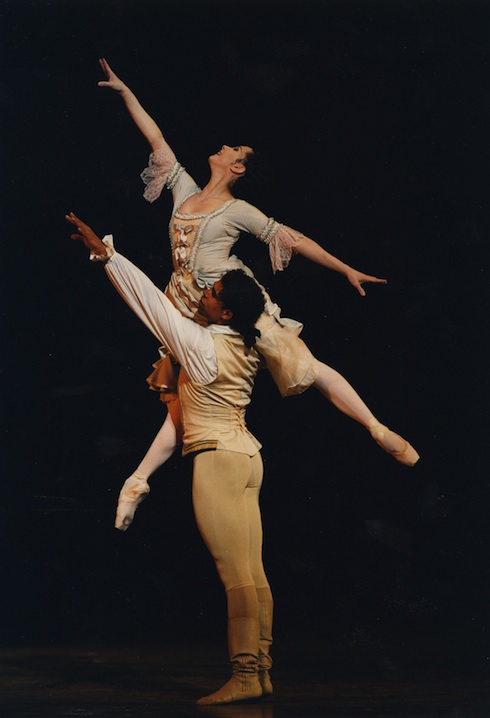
(371, 120)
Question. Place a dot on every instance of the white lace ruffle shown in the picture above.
(282, 243)
(160, 164)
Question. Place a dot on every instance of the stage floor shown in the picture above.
(137, 681)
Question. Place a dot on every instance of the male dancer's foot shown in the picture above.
(238, 688)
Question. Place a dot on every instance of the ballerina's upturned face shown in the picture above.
(229, 155)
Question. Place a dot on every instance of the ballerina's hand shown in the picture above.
(357, 279)
(113, 81)
(87, 236)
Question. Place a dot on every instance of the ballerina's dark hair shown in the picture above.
(242, 295)
(257, 178)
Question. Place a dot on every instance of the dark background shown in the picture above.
(371, 120)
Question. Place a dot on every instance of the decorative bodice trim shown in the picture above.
(202, 218)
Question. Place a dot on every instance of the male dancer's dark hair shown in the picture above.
(242, 295)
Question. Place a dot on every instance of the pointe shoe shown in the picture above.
(133, 492)
(387, 439)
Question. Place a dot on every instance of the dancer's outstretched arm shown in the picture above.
(283, 242)
(146, 124)
(312, 250)
(190, 344)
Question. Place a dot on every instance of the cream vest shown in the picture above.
(214, 415)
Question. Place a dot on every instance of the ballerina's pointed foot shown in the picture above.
(394, 444)
(133, 492)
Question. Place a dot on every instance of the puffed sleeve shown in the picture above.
(163, 170)
(282, 240)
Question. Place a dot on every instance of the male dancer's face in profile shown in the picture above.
(211, 306)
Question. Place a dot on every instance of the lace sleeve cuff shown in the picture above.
(163, 169)
(109, 243)
(282, 241)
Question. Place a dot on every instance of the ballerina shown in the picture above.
(205, 224)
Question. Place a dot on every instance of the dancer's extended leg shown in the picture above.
(344, 397)
(136, 488)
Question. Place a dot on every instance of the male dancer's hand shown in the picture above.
(87, 236)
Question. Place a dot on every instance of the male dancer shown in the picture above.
(218, 368)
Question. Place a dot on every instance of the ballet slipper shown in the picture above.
(394, 444)
(134, 490)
